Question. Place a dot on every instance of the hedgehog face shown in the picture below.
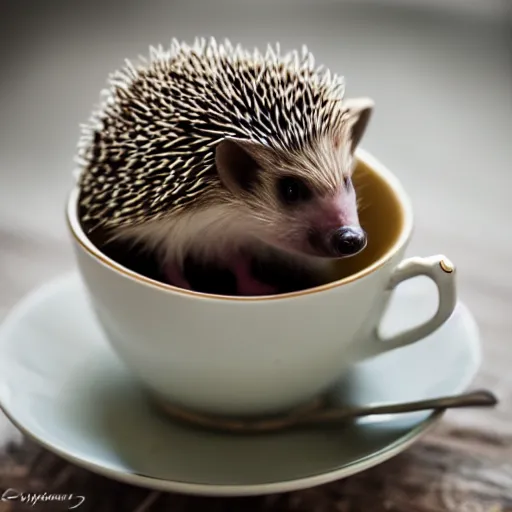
(300, 200)
(325, 224)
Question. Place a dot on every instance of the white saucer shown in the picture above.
(61, 385)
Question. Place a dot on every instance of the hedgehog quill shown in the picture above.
(212, 152)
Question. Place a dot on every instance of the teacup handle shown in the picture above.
(442, 272)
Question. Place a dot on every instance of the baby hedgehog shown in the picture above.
(219, 154)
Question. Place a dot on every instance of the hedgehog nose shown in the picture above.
(348, 240)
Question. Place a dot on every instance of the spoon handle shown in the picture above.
(320, 415)
(478, 398)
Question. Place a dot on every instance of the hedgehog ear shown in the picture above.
(239, 163)
(358, 111)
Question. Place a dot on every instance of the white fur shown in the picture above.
(214, 234)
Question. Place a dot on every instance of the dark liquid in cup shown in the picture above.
(380, 215)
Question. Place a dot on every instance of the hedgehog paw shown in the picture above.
(175, 277)
(247, 284)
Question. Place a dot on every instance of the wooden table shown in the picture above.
(443, 90)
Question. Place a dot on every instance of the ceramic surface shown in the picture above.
(62, 385)
(254, 355)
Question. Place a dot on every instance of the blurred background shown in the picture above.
(440, 72)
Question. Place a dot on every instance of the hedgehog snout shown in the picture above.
(339, 243)
(348, 241)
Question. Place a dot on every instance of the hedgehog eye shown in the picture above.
(293, 190)
(347, 182)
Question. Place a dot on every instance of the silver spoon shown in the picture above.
(479, 398)
(332, 415)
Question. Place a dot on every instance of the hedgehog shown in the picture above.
(213, 152)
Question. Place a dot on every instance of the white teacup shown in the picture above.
(262, 355)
